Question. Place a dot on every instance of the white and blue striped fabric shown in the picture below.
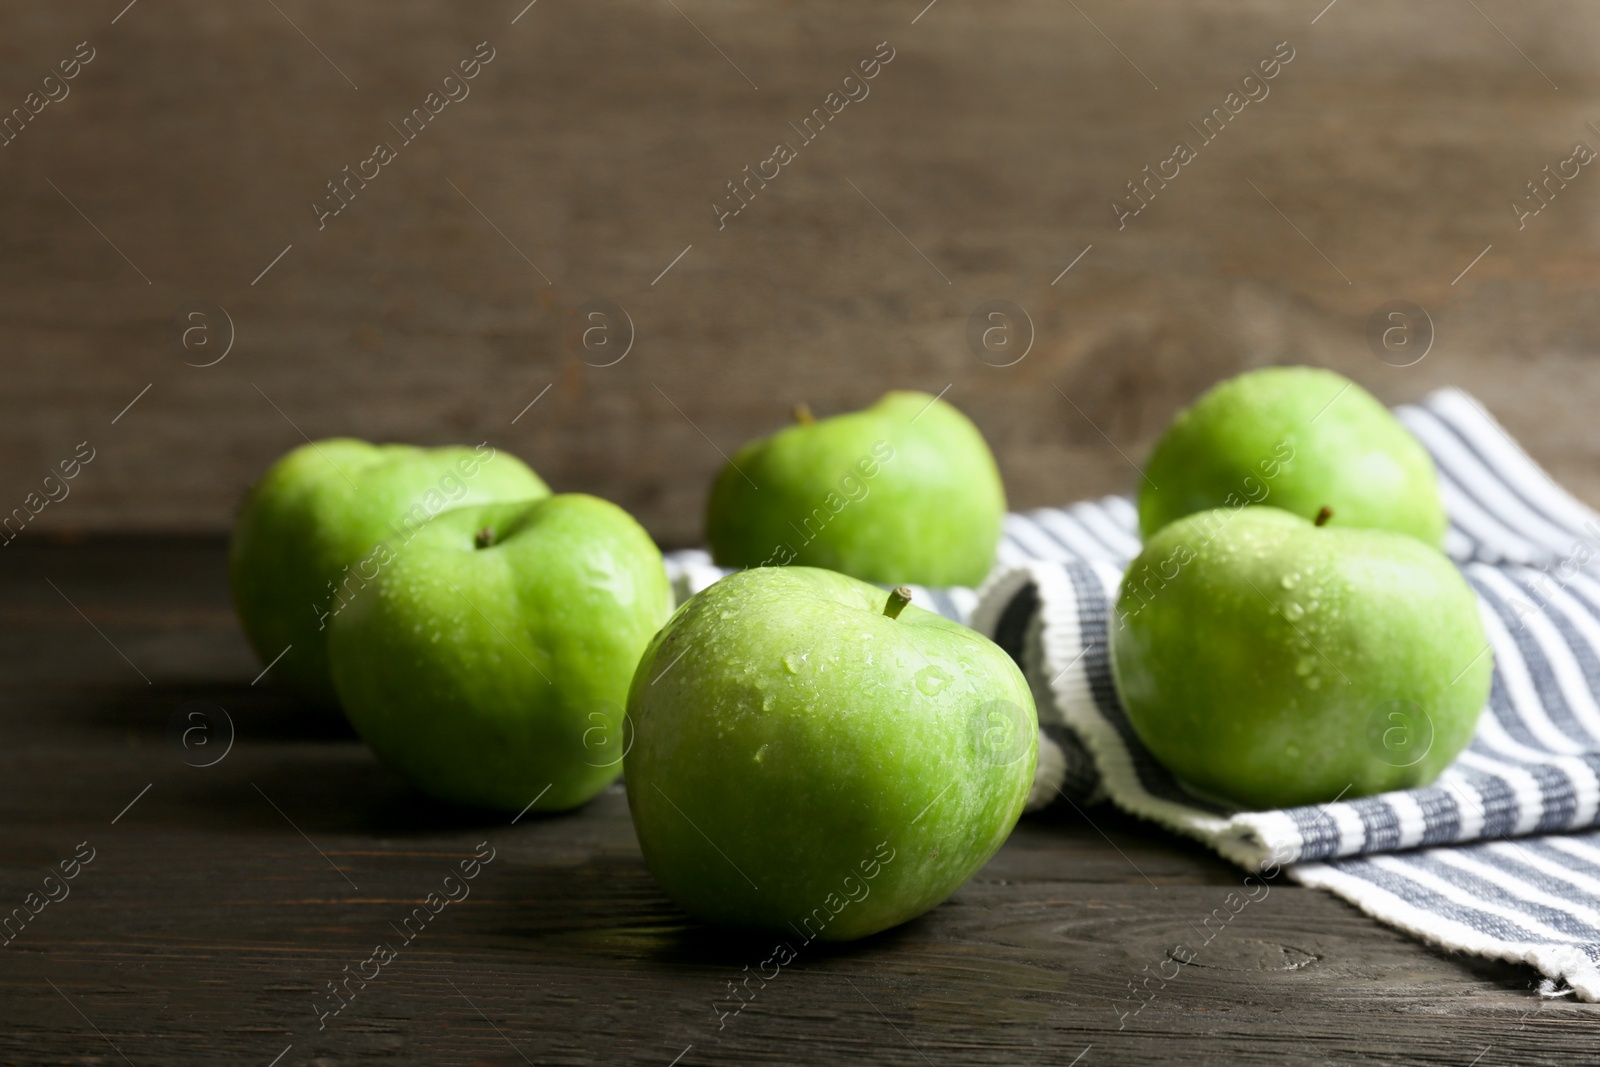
(1498, 858)
(691, 570)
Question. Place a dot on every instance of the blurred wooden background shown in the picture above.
(190, 149)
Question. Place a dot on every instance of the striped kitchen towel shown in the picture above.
(1485, 860)
(1497, 858)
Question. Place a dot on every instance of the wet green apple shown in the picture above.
(326, 518)
(1296, 438)
(489, 663)
(1271, 662)
(904, 491)
(812, 756)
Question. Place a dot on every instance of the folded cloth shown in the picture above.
(1476, 862)
(691, 570)
(1499, 879)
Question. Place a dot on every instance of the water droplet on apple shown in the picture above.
(761, 754)
(1290, 580)
(1292, 611)
(791, 663)
(1314, 682)
(1305, 666)
(932, 680)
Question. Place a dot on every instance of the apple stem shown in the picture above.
(898, 599)
(1323, 516)
(802, 414)
(484, 537)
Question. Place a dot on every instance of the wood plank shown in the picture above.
(206, 924)
(596, 143)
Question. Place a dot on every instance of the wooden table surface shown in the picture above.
(587, 159)
(222, 899)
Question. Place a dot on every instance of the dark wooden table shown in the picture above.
(987, 158)
(222, 899)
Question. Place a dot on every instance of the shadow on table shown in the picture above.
(346, 793)
(695, 944)
(257, 713)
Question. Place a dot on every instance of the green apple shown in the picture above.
(811, 755)
(1270, 662)
(904, 491)
(489, 663)
(1300, 439)
(326, 519)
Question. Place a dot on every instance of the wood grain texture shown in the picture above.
(588, 156)
(223, 900)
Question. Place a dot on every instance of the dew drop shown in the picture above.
(1304, 666)
(932, 680)
(1314, 682)
(761, 754)
(1290, 580)
(1292, 611)
(791, 663)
